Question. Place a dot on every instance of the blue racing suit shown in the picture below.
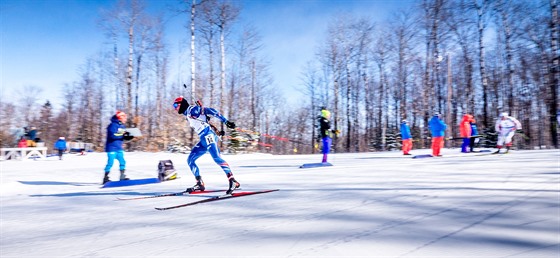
(208, 140)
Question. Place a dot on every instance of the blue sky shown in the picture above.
(44, 42)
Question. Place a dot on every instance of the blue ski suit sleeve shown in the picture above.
(215, 113)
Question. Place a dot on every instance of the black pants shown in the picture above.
(60, 154)
(472, 143)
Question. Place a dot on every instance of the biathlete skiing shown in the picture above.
(506, 127)
(198, 118)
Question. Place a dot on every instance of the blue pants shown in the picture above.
(466, 143)
(208, 143)
(326, 145)
(111, 159)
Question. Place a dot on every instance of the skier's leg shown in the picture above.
(120, 158)
(466, 142)
(215, 152)
(500, 143)
(110, 161)
(197, 151)
(326, 147)
(509, 140)
(435, 145)
(122, 164)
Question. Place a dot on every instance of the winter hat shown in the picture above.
(504, 114)
(121, 116)
(325, 113)
(61, 138)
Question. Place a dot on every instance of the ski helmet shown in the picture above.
(325, 113)
(180, 105)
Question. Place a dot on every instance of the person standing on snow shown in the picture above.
(116, 134)
(198, 118)
(60, 145)
(325, 132)
(474, 135)
(406, 138)
(466, 131)
(437, 128)
(506, 127)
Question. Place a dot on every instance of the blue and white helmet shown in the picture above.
(194, 111)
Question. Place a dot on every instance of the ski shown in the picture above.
(169, 194)
(216, 198)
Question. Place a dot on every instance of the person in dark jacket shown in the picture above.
(474, 135)
(60, 145)
(437, 128)
(116, 134)
(32, 137)
(406, 138)
(325, 132)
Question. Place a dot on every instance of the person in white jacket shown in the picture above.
(505, 127)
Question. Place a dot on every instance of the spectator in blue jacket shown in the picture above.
(116, 134)
(437, 127)
(60, 145)
(406, 138)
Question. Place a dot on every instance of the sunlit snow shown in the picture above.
(367, 205)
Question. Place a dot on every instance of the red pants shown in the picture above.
(437, 144)
(406, 145)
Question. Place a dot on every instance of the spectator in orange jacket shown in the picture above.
(466, 131)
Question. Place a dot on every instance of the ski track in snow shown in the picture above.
(366, 205)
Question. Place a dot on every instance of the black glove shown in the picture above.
(127, 136)
(230, 124)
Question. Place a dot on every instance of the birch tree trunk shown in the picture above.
(554, 106)
(481, 11)
(193, 53)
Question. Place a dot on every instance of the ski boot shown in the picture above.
(198, 187)
(233, 184)
(106, 178)
(123, 176)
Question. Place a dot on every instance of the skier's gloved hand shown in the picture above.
(127, 136)
(221, 133)
(230, 124)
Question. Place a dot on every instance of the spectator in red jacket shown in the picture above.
(466, 131)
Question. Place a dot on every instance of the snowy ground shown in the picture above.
(366, 205)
